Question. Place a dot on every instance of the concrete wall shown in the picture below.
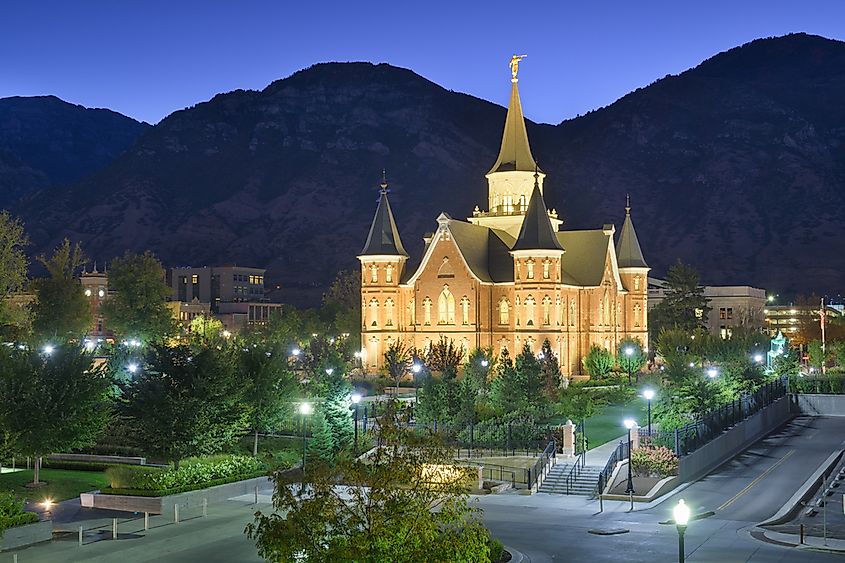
(21, 536)
(732, 442)
(164, 505)
(818, 405)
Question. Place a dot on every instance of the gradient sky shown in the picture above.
(148, 58)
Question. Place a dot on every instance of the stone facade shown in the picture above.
(505, 277)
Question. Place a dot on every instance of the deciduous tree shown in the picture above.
(60, 308)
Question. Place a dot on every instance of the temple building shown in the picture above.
(505, 277)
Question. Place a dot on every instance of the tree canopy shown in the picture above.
(60, 307)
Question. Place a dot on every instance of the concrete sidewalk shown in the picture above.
(599, 456)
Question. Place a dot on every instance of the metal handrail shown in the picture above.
(617, 456)
(575, 471)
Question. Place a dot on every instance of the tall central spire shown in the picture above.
(515, 152)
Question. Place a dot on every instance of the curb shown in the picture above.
(516, 556)
(785, 511)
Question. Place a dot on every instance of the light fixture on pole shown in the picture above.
(648, 395)
(356, 398)
(416, 368)
(629, 351)
(758, 358)
(132, 368)
(296, 351)
(49, 349)
(485, 363)
(712, 373)
(629, 424)
(681, 513)
(305, 409)
(329, 371)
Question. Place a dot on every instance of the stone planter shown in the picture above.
(164, 505)
(21, 536)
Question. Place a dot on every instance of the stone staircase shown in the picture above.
(555, 481)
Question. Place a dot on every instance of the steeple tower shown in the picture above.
(536, 232)
(511, 179)
(628, 252)
(383, 239)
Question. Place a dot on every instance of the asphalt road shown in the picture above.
(742, 492)
(544, 527)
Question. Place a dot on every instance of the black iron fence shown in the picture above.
(689, 438)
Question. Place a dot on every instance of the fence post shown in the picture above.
(677, 442)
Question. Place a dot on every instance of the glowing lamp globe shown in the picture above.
(681, 513)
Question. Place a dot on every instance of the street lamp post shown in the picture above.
(416, 369)
(629, 352)
(681, 514)
(629, 424)
(356, 398)
(304, 409)
(648, 395)
(712, 373)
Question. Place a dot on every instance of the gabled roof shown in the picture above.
(584, 261)
(485, 250)
(536, 232)
(515, 153)
(384, 236)
(628, 252)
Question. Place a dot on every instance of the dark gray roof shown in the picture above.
(537, 232)
(384, 236)
(584, 260)
(515, 153)
(628, 252)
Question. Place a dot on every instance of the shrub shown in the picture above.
(76, 465)
(12, 514)
(497, 550)
(191, 472)
(654, 461)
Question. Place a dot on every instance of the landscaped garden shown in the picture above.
(61, 484)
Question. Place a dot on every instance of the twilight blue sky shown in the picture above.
(148, 58)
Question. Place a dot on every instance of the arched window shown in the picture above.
(572, 312)
(427, 311)
(547, 264)
(374, 312)
(529, 311)
(606, 309)
(530, 264)
(638, 311)
(547, 310)
(446, 307)
(388, 273)
(559, 311)
(465, 310)
(516, 309)
(618, 313)
(373, 273)
(636, 283)
(388, 310)
(504, 311)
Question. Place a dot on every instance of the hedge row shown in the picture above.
(76, 465)
(183, 489)
(7, 522)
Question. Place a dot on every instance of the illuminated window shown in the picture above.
(446, 307)
(195, 279)
(636, 283)
(373, 312)
(388, 309)
(546, 268)
(572, 313)
(465, 310)
(559, 309)
(388, 274)
(516, 309)
(427, 311)
(547, 310)
(529, 311)
(373, 274)
(412, 310)
(638, 311)
(530, 264)
(504, 316)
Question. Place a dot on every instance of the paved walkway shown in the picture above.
(599, 456)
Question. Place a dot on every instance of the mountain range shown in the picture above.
(735, 166)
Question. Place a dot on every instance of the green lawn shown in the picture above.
(607, 425)
(62, 484)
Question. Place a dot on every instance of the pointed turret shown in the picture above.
(515, 152)
(383, 239)
(628, 252)
(537, 232)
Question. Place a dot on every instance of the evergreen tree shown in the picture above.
(337, 412)
(322, 444)
(505, 384)
(683, 306)
(549, 371)
(13, 265)
(61, 308)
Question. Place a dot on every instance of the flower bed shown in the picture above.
(654, 461)
(193, 474)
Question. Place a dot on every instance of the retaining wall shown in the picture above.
(164, 505)
(21, 536)
(742, 435)
(818, 405)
